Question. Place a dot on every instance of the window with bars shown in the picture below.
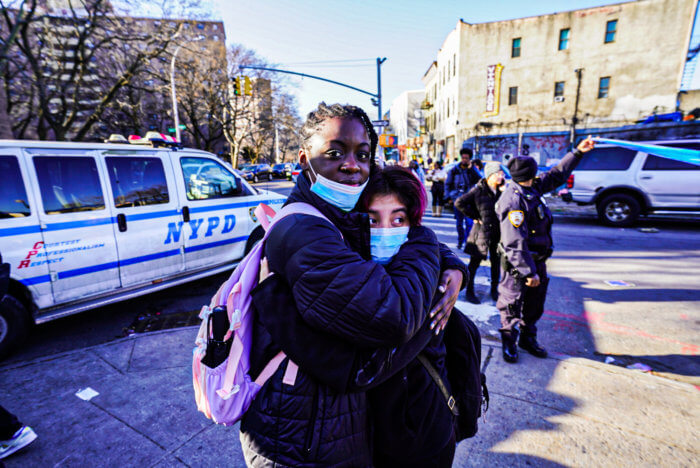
(610, 31)
(512, 95)
(564, 38)
(515, 48)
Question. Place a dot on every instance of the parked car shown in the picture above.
(282, 171)
(83, 225)
(624, 184)
(295, 172)
(256, 172)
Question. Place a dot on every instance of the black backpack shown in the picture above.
(467, 382)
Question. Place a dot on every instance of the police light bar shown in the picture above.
(154, 139)
(116, 138)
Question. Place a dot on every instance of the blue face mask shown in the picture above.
(340, 195)
(385, 242)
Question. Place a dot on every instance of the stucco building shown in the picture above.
(539, 82)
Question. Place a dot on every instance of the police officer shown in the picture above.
(526, 244)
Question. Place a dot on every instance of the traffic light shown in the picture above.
(237, 86)
(247, 86)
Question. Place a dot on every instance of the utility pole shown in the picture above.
(379, 87)
(574, 119)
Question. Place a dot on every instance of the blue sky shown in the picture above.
(292, 33)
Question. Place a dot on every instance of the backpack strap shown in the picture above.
(451, 403)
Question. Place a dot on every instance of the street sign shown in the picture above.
(380, 123)
(181, 127)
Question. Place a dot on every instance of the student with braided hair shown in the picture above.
(325, 267)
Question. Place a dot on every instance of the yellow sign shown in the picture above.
(493, 89)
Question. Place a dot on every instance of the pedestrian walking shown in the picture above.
(479, 204)
(13, 434)
(338, 290)
(460, 179)
(417, 171)
(437, 189)
(526, 244)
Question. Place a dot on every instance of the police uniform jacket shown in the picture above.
(525, 219)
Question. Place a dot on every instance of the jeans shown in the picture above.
(464, 225)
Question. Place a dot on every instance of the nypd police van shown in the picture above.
(87, 224)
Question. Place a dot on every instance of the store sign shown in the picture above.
(493, 89)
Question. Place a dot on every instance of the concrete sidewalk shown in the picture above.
(558, 411)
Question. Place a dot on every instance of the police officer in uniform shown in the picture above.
(526, 244)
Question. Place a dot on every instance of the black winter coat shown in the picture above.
(343, 295)
(480, 204)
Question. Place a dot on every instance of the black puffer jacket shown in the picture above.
(340, 293)
(479, 204)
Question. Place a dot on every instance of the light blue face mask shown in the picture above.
(340, 195)
(385, 242)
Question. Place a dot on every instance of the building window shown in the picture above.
(515, 49)
(604, 87)
(610, 30)
(559, 89)
(512, 95)
(564, 39)
(454, 65)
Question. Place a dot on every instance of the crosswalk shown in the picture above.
(484, 314)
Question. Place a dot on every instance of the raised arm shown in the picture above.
(557, 175)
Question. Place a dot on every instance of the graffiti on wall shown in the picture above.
(497, 148)
(546, 149)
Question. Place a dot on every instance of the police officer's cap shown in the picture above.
(522, 168)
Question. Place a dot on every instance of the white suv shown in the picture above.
(624, 184)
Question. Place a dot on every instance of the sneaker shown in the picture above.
(23, 437)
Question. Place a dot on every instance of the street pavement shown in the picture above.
(571, 409)
(559, 411)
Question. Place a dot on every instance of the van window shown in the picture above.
(137, 181)
(69, 184)
(206, 179)
(657, 163)
(607, 159)
(13, 195)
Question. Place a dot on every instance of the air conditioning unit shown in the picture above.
(558, 98)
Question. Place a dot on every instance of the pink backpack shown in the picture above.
(224, 393)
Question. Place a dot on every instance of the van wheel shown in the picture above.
(618, 210)
(14, 324)
(254, 237)
(255, 178)
(269, 177)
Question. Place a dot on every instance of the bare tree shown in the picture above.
(77, 59)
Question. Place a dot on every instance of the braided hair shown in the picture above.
(338, 111)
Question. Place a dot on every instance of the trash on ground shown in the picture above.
(609, 360)
(640, 366)
(86, 394)
(619, 283)
(651, 229)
